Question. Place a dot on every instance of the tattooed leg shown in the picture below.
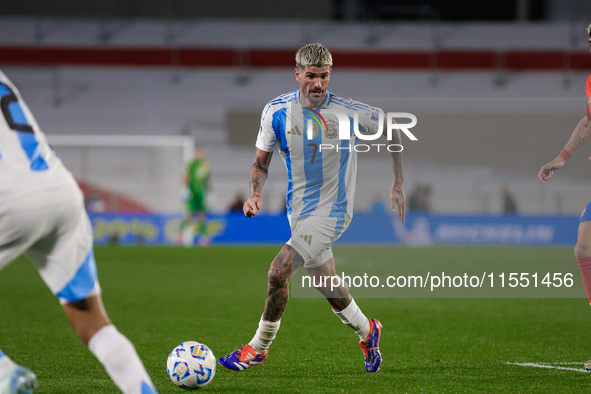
(338, 297)
(287, 262)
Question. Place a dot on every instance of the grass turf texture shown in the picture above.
(159, 297)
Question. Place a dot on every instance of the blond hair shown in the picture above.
(589, 30)
(313, 55)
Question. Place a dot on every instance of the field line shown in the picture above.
(552, 366)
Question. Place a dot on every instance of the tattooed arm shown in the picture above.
(258, 177)
(396, 192)
(578, 138)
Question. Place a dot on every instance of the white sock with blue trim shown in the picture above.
(120, 360)
(354, 318)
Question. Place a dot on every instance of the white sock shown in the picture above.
(120, 359)
(354, 318)
(6, 364)
(264, 335)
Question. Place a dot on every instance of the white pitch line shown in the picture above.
(551, 366)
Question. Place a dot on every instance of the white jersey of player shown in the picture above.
(41, 206)
(27, 162)
(321, 170)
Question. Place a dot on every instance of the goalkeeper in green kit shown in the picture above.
(197, 182)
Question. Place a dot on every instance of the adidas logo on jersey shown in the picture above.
(295, 131)
(307, 238)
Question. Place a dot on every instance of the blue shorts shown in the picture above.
(586, 214)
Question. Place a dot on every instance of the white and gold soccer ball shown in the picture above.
(191, 365)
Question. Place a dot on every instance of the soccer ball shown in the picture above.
(191, 365)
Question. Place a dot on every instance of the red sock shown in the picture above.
(585, 268)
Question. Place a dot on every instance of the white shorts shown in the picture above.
(52, 228)
(312, 237)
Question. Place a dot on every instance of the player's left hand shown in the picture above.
(397, 200)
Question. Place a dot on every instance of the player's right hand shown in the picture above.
(547, 169)
(252, 205)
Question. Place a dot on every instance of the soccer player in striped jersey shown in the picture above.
(579, 137)
(321, 189)
(42, 215)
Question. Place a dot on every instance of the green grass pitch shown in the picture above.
(159, 297)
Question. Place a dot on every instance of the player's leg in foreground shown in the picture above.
(63, 255)
(14, 378)
(583, 256)
(110, 347)
(285, 264)
(345, 307)
(83, 305)
(15, 229)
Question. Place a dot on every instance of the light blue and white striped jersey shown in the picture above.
(27, 162)
(321, 179)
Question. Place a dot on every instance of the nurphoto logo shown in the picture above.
(402, 121)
